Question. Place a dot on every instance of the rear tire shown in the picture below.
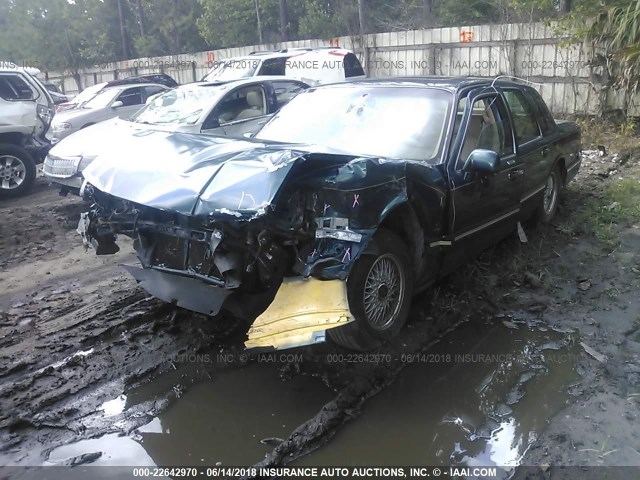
(17, 171)
(548, 203)
(379, 289)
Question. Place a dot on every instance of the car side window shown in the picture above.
(273, 66)
(131, 97)
(13, 87)
(151, 91)
(352, 66)
(488, 128)
(241, 104)
(285, 91)
(523, 116)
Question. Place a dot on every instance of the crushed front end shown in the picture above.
(266, 233)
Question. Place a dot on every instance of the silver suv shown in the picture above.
(26, 111)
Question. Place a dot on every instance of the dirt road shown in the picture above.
(86, 357)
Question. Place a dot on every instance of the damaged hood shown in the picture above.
(193, 174)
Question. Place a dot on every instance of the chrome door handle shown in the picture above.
(545, 151)
(515, 174)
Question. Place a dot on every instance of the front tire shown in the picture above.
(548, 204)
(379, 289)
(17, 171)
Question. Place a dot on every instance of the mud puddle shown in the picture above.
(478, 397)
(234, 418)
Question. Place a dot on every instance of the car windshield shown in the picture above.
(179, 106)
(392, 122)
(233, 69)
(102, 99)
(88, 93)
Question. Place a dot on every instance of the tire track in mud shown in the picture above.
(54, 377)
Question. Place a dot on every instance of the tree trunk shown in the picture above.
(362, 16)
(564, 6)
(284, 21)
(427, 12)
(143, 32)
(257, 2)
(176, 33)
(123, 33)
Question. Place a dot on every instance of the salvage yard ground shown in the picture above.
(529, 355)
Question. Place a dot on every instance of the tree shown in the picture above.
(284, 20)
(362, 16)
(564, 6)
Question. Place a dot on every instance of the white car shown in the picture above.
(26, 110)
(233, 108)
(312, 65)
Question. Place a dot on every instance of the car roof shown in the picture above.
(287, 52)
(132, 85)
(245, 81)
(448, 83)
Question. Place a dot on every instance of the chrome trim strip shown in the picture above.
(488, 224)
(536, 191)
(575, 165)
(440, 243)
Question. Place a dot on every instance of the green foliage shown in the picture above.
(69, 34)
(615, 32)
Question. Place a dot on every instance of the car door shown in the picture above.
(242, 110)
(132, 99)
(483, 207)
(531, 146)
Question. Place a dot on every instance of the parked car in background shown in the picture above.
(26, 110)
(233, 108)
(312, 65)
(122, 101)
(351, 199)
(57, 96)
(91, 91)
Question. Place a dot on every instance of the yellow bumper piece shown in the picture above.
(301, 311)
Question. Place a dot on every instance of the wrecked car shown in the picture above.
(351, 200)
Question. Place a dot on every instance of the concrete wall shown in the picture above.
(537, 52)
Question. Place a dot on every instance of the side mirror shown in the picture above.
(482, 161)
(117, 103)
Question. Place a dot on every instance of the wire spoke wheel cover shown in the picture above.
(550, 194)
(384, 291)
(13, 172)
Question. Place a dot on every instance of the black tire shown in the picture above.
(548, 203)
(386, 255)
(17, 171)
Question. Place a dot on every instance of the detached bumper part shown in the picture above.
(184, 292)
(301, 312)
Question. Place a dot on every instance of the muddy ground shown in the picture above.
(92, 371)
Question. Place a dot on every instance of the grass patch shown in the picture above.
(619, 206)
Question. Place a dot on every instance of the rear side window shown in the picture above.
(273, 66)
(523, 115)
(151, 91)
(285, 91)
(131, 97)
(352, 67)
(14, 87)
(547, 123)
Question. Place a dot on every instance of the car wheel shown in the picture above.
(548, 204)
(379, 289)
(17, 171)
